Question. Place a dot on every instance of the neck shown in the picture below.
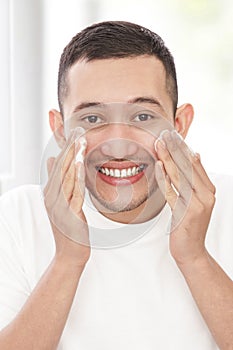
(144, 212)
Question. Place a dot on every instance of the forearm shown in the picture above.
(212, 290)
(41, 321)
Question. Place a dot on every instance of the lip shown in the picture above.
(120, 181)
(119, 165)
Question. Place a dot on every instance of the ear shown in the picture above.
(57, 127)
(183, 118)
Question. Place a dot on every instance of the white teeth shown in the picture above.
(129, 172)
(117, 173)
(134, 170)
(122, 172)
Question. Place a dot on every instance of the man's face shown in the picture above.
(120, 150)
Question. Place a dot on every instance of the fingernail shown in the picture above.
(80, 154)
(165, 131)
(159, 142)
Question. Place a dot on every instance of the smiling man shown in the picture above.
(141, 259)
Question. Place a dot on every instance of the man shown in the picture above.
(153, 277)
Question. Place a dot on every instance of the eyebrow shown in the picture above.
(86, 105)
(145, 99)
(141, 99)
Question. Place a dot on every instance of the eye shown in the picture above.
(92, 119)
(143, 117)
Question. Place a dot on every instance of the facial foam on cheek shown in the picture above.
(80, 154)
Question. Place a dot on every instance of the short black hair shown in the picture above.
(115, 39)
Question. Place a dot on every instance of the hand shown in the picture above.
(63, 197)
(190, 194)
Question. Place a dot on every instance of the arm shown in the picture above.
(41, 321)
(192, 204)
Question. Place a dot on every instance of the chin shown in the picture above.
(120, 205)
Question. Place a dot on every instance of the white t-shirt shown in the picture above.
(129, 297)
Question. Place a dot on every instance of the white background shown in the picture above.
(33, 34)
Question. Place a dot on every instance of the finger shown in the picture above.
(175, 175)
(69, 176)
(78, 193)
(77, 199)
(195, 160)
(176, 203)
(164, 184)
(68, 158)
(55, 179)
(80, 149)
(78, 143)
(180, 160)
(185, 165)
(68, 182)
(54, 174)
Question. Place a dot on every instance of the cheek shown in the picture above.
(145, 140)
(94, 139)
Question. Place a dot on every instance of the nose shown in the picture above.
(119, 143)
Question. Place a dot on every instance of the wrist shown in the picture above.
(196, 262)
(69, 264)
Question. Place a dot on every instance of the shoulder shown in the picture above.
(25, 229)
(24, 192)
(19, 199)
(20, 208)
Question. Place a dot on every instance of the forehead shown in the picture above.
(116, 80)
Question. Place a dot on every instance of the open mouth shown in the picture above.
(122, 175)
